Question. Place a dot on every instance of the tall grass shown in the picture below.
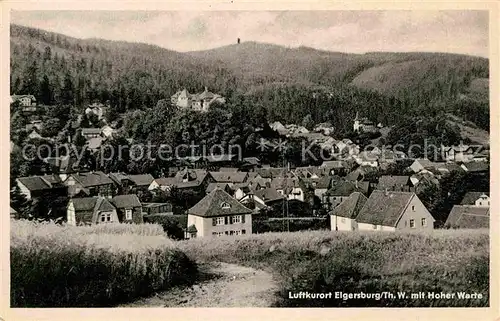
(325, 261)
(66, 266)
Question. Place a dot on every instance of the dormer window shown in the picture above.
(225, 205)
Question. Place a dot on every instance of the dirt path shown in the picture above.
(220, 285)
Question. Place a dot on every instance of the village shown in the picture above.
(350, 192)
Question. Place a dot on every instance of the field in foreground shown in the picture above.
(447, 261)
(99, 266)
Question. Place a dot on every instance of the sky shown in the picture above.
(464, 32)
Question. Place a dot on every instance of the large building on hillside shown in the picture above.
(364, 125)
(200, 102)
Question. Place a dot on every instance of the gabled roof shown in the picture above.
(228, 169)
(477, 166)
(467, 216)
(212, 205)
(213, 186)
(389, 181)
(384, 208)
(351, 206)
(126, 201)
(92, 178)
(471, 197)
(343, 188)
(229, 177)
(426, 163)
(35, 183)
(268, 194)
(141, 179)
(272, 172)
(166, 181)
(251, 160)
(118, 177)
(92, 204)
(335, 164)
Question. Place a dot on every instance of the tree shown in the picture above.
(45, 91)
(67, 91)
(308, 122)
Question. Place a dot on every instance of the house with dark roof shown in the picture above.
(229, 177)
(162, 183)
(63, 165)
(91, 184)
(336, 167)
(476, 167)
(239, 190)
(141, 181)
(394, 183)
(250, 163)
(90, 211)
(460, 153)
(339, 191)
(343, 217)
(271, 172)
(128, 208)
(468, 217)
(224, 186)
(481, 199)
(219, 214)
(320, 185)
(291, 188)
(89, 133)
(421, 164)
(40, 186)
(122, 182)
(391, 211)
(154, 209)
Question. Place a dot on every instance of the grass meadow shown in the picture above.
(324, 261)
(94, 266)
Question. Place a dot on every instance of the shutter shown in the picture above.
(226, 220)
(214, 221)
(243, 218)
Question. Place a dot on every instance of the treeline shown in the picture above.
(62, 70)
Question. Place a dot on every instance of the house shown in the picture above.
(461, 153)
(193, 179)
(335, 167)
(89, 133)
(13, 213)
(476, 167)
(265, 197)
(63, 165)
(250, 163)
(90, 211)
(420, 164)
(394, 183)
(320, 185)
(90, 183)
(163, 183)
(229, 177)
(96, 109)
(40, 186)
(391, 211)
(95, 143)
(128, 208)
(34, 134)
(367, 158)
(364, 125)
(343, 217)
(107, 131)
(476, 198)
(199, 102)
(224, 186)
(340, 190)
(122, 182)
(420, 181)
(468, 217)
(219, 214)
(271, 172)
(141, 181)
(149, 209)
(291, 188)
(34, 124)
(27, 102)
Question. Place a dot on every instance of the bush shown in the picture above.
(98, 266)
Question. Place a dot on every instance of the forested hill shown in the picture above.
(278, 80)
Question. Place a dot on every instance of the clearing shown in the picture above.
(219, 285)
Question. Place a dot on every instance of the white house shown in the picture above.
(343, 217)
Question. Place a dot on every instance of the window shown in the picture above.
(219, 221)
(412, 223)
(105, 217)
(413, 208)
(424, 222)
(231, 232)
(236, 219)
(237, 232)
(243, 231)
(128, 214)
